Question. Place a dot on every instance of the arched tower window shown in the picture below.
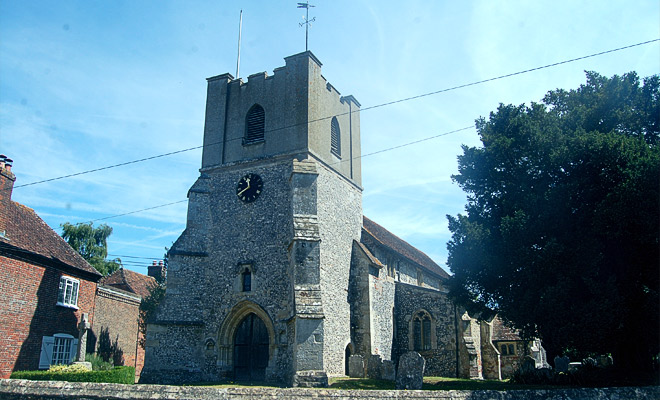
(254, 125)
(422, 331)
(335, 137)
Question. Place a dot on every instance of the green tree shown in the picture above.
(92, 244)
(150, 303)
(561, 236)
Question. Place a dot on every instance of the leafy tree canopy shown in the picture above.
(92, 245)
(150, 303)
(561, 234)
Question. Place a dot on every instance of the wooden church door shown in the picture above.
(251, 349)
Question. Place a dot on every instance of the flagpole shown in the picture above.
(240, 27)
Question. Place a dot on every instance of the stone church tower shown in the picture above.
(257, 283)
(278, 277)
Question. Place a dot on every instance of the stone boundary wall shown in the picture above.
(14, 389)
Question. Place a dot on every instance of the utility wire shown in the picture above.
(354, 158)
(137, 211)
(406, 144)
(362, 109)
(142, 258)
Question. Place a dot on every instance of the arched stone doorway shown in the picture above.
(247, 332)
(251, 348)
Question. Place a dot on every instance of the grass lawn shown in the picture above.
(430, 383)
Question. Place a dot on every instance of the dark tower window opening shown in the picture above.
(254, 125)
(335, 137)
(247, 280)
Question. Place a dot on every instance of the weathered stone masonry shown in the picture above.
(287, 287)
(43, 390)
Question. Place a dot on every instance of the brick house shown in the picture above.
(45, 287)
(117, 310)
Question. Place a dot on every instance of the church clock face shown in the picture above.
(249, 187)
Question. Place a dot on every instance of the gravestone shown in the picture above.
(410, 373)
(387, 371)
(574, 366)
(356, 366)
(605, 361)
(528, 364)
(561, 364)
(589, 362)
(374, 365)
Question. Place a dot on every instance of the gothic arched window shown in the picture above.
(335, 137)
(422, 331)
(254, 125)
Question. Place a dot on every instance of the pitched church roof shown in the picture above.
(390, 240)
(503, 332)
(129, 281)
(27, 236)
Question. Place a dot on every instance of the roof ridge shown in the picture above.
(405, 249)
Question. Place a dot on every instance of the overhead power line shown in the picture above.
(354, 158)
(361, 110)
(137, 211)
(141, 258)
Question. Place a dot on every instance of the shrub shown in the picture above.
(73, 368)
(97, 362)
(125, 375)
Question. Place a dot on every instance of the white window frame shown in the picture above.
(67, 295)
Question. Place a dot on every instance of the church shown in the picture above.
(278, 277)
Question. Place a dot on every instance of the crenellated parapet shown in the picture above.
(299, 112)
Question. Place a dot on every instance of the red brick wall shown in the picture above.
(28, 311)
(119, 314)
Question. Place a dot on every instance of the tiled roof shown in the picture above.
(28, 235)
(503, 332)
(129, 281)
(388, 239)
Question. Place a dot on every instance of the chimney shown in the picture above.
(7, 179)
(157, 270)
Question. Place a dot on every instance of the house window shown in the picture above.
(422, 331)
(335, 137)
(68, 292)
(254, 125)
(420, 278)
(508, 349)
(247, 280)
(62, 350)
(57, 349)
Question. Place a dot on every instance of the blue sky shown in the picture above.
(87, 84)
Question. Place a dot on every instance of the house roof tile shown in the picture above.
(129, 281)
(390, 240)
(26, 232)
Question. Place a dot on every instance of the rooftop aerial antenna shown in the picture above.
(308, 22)
(240, 27)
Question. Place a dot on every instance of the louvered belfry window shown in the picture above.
(254, 125)
(335, 137)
